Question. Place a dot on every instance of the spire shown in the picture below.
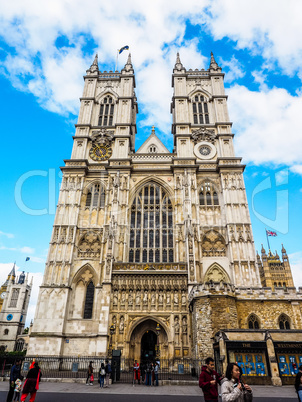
(262, 249)
(128, 65)
(153, 130)
(11, 275)
(94, 66)
(178, 64)
(283, 251)
(213, 64)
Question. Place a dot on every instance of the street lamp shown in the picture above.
(112, 331)
(158, 329)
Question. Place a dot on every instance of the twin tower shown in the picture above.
(155, 245)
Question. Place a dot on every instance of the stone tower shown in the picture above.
(16, 298)
(149, 246)
(275, 273)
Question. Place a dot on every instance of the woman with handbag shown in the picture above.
(232, 387)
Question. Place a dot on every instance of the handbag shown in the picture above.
(91, 378)
(247, 396)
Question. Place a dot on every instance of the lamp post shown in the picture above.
(158, 329)
(112, 331)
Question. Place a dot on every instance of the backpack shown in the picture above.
(108, 368)
(102, 372)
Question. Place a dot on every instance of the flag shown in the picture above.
(122, 49)
(27, 259)
(270, 233)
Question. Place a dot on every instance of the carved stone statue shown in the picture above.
(145, 299)
(121, 327)
(138, 297)
(176, 298)
(176, 325)
(130, 299)
(184, 325)
(153, 298)
(123, 299)
(115, 298)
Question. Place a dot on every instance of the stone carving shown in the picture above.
(115, 298)
(176, 325)
(184, 325)
(130, 298)
(86, 276)
(213, 244)
(176, 298)
(216, 274)
(160, 298)
(183, 298)
(89, 245)
(138, 297)
(203, 134)
(121, 327)
(101, 137)
(153, 298)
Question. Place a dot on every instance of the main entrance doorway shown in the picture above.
(148, 346)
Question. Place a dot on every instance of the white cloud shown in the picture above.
(295, 260)
(296, 169)
(233, 68)
(27, 250)
(8, 235)
(267, 125)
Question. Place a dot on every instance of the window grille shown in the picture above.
(106, 112)
(200, 110)
(151, 226)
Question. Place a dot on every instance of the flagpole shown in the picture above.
(267, 240)
(116, 60)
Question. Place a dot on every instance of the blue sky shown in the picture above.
(45, 51)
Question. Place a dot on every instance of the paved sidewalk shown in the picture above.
(71, 387)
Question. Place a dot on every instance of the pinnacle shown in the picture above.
(178, 64)
(213, 63)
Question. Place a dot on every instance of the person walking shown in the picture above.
(208, 381)
(148, 373)
(108, 372)
(102, 375)
(89, 379)
(15, 373)
(156, 368)
(31, 384)
(136, 372)
(232, 387)
(298, 384)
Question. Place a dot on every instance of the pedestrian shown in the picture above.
(108, 372)
(143, 371)
(90, 378)
(148, 373)
(31, 384)
(18, 387)
(136, 372)
(232, 387)
(298, 384)
(102, 375)
(156, 368)
(208, 381)
(15, 373)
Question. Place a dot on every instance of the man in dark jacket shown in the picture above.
(15, 373)
(208, 380)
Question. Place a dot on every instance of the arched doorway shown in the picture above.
(148, 346)
(143, 340)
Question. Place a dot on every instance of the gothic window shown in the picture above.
(95, 196)
(151, 226)
(213, 244)
(25, 300)
(253, 322)
(208, 195)
(89, 301)
(106, 112)
(200, 110)
(14, 298)
(284, 322)
(6, 332)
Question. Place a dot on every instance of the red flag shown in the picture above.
(270, 233)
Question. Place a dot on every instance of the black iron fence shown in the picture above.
(122, 369)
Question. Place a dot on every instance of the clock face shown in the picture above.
(9, 317)
(100, 152)
(205, 150)
(3, 294)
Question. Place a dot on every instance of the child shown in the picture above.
(18, 386)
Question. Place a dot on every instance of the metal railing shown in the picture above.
(122, 369)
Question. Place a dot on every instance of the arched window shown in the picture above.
(151, 226)
(253, 322)
(106, 112)
(19, 345)
(6, 331)
(208, 195)
(89, 301)
(284, 322)
(200, 110)
(95, 196)
(152, 149)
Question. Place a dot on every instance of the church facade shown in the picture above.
(152, 252)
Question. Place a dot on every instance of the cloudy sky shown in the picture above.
(45, 49)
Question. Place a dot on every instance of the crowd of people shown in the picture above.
(233, 387)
